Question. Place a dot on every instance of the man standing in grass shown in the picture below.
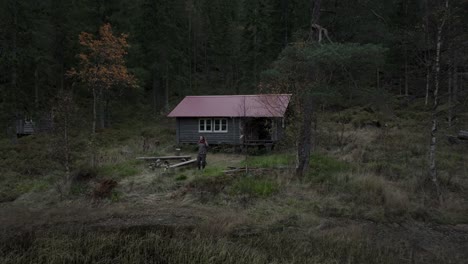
(202, 149)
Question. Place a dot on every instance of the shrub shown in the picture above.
(84, 173)
(104, 189)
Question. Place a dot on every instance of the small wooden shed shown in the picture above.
(26, 126)
(231, 119)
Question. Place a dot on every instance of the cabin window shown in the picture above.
(220, 125)
(204, 125)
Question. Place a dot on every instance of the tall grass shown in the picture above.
(120, 170)
(268, 161)
(323, 167)
(254, 187)
(178, 246)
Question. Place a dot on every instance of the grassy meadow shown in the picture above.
(365, 199)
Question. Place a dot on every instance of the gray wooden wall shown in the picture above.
(187, 131)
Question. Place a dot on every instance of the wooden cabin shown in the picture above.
(26, 126)
(231, 119)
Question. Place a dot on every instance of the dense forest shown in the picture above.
(374, 151)
(336, 54)
(179, 48)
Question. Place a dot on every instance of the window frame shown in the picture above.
(211, 122)
(204, 120)
(220, 130)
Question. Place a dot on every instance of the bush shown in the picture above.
(84, 173)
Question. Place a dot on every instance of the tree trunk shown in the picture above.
(190, 47)
(155, 95)
(378, 78)
(36, 86)
(107, 120)
(14, 70)
(93, 134)
(166, 91)
(304, 145)
(433, 145)
(285, 15)
(255, 66)
(426, 52)
(405, 44)
(463, 135)
(194, 54)
(206, 56)
(406, 71)
(450, 83)
(94, 111)
(102, 110)
(67, 148)
(428, 84)
(455, 83)
(451, 52)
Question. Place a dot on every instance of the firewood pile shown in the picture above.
(168, 162)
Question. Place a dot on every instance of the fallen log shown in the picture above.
(183, 163)
(244, 169)
(463, 135)
(453, 140)
(164, 158)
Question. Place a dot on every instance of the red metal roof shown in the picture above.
(262, 105)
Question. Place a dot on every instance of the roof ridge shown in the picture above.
(232, 95)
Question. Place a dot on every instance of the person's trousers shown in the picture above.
(201, 161)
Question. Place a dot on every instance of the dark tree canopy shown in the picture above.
(187, 47)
